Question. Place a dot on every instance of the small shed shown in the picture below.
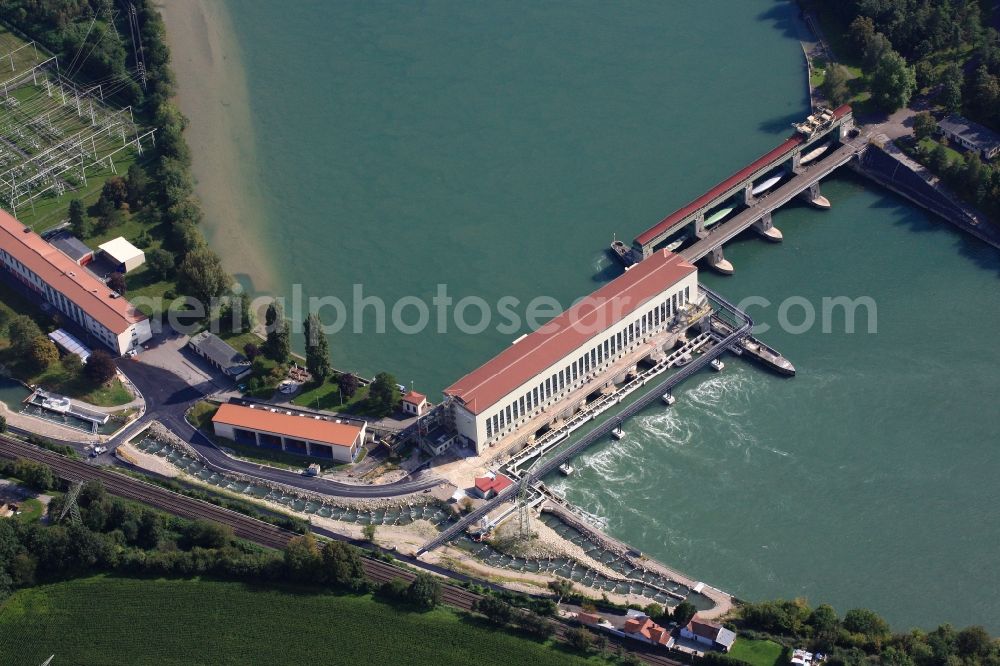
(124, 255)
(73, 248)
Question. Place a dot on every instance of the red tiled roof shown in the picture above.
(791, 143)
(64, 275)
(704, 628)
(497, 484)
(647, 629)
(518, 363)
(289, 425)
(414, 398)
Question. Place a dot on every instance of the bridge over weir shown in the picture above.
(741, 323)
(759, 213)
(825, 132)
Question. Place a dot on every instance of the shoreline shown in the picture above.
(212, 93)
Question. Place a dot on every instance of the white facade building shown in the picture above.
(75, 292)
(573, 351)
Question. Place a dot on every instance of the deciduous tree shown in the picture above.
(893, 82)
(100, 368)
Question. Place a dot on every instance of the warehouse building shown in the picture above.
(71, 289)
(548, 375)
(292, 432)
(123, 255)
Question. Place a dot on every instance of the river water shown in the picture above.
(494, 148)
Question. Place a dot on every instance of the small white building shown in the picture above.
(971, 136)
(711, 635)
(124, 255)
(414, 404)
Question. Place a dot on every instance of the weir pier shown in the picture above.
(825, 141)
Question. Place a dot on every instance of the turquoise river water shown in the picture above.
(495, 148)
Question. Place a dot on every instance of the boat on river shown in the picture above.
(618, 433)
(669, 399)
(766, 185)
(813, 154)
(718, 216)
(756, 350)
(566, 469)
(623, 252)
(717, 365)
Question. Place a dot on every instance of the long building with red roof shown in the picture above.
(571, 354)
(73, 290)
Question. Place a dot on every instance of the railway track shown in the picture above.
(248, 528)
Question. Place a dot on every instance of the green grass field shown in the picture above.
(758, 653)
(105, 620)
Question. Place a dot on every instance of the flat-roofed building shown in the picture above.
(971, 135)
(546, 374)
(73, 290)
(219, 353)
(293, 432)
(122, 254)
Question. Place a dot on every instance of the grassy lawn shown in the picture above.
(163, 622)
(56, 379)
(928, 144)
(327, 396)
(31, 510)
(758, 653)
(201, 414)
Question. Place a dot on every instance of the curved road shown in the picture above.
(168, 397)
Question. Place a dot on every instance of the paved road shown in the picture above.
(168, 397)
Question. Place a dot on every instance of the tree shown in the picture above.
(3, 423)
(369, 532)
(278, 345)
(79, 223)
(924, 125)
(303, 558)
(924, 71)
(579, 639)
(35, 475)
(835, 85)
(116, 282)
(100, 368)
(973, 642)
(383, 393)
(251, 351)
(495, 610)
(537, 626)
(867, 622)
(43, 353)
(137, 183)
(115, 191)
(653, 611)
(348, 384)
(22, 330)
(424, 592)
(317, 349)
(824, 619)
(342, 565)
(860, 32)
(208, 534)
(160, 262)
(561, 588)
(683, 612)
(939, 159)
(202, 276)
(893, 82)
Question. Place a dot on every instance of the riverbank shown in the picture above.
(212, 93)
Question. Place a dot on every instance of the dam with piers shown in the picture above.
(825, 141)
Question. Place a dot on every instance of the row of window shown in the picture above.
(574, 374)
(66, 306)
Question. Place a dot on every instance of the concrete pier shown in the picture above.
(765, 227)
(718, 262)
